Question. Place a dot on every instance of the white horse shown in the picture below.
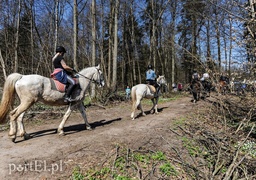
(141, 91)
(34, 88)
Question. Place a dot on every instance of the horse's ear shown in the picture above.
(98, 67)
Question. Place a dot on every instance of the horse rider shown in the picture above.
(195, 78)
(151, 78)
(62, 72)
(224, 78)
(205, 79)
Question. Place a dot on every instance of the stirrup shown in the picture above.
(67, 99)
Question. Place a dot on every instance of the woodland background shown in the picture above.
(124, 36)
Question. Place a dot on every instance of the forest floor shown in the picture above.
(84, 152)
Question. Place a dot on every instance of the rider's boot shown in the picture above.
(67, 96)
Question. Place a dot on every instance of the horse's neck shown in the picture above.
(85, 80)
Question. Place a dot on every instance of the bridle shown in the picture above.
(161, 82)
(99, 81)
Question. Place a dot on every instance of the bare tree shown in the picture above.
(56, 24)
(116, 10)
(93, 9)
(110, 42)
(16, 61)
(3, 64)
(75, 32)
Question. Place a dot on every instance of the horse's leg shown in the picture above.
(17, 115)
(155, 105)
(65, 117)
(13, 130)
(140, 107)
(133, 110)
(194, 96)
(136, 104)
(82, 111)
(20, 127)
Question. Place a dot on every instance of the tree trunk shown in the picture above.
(133, 40)
(153, 38)
(115, 45)
(56, 24)
(101, 45)
(75, 28)
(173, 12)
(3, 64)
(93, 42)
(110, 48)
(230, 47)
(16, 61)
(32, 34)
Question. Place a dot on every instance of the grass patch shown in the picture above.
(192, 148)
(76, 174)
(179, 122)
(161, 99)
(249, 147)
(125, 165)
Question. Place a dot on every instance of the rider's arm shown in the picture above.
(65, 66)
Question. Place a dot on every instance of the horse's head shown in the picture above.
(98, 77)
(161, 80)
(93, 74)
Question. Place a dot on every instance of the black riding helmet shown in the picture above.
(150, 66)
(60, 49)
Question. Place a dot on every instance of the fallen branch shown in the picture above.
(235, 164)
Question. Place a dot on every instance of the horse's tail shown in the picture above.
(8, 95)
(134, 98)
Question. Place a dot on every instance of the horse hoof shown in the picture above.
(13, 138)
(143, 114)
(61, 133)
(88, 128)
(26, 136)
(132, 119)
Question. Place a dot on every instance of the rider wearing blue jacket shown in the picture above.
(151, 78)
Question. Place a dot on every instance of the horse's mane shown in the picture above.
(87, 69)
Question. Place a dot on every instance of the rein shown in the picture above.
(97, 82)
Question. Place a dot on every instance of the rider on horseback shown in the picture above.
(195, 77)
(62, 71)
(206, 83)
(151, 78)
(205, 79)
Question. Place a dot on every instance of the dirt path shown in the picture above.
(48, 155)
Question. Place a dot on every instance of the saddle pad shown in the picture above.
(56, 85)
(152, 89)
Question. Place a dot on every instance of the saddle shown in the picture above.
(58, 86)
(151, 88)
